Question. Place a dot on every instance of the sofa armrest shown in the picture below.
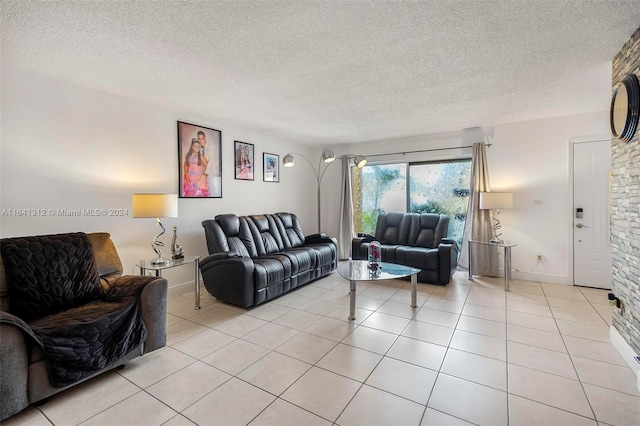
(357, 242)
(318, 235)
(14, 366)
(317, 238)
(152, 297)
(220, 256)
(229, 277)
(153, 305)
(450, 241)
(447, 260)
(321, 239)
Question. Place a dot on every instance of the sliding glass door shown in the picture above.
(426, 187)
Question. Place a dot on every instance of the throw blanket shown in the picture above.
(94, 329)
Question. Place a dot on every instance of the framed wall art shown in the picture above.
(243, 159)
(199, 161)
(270, 167)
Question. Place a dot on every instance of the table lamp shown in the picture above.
(158, 206)
(495, 201)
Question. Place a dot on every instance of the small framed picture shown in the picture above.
(199, 161)
(243, 160)
(270, 167)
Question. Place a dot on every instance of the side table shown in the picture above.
(506, 245)
(144, 266)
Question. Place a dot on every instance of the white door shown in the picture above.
(591, 242)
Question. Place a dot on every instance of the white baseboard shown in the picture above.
(626, 351)
(530, 276)
(545, 278)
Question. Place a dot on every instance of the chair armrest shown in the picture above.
(14, 365)
(219, 256)
(447, 260)
(229, 277)
(357, 242)
(129, 285)
(152, 297)
(319, 239)
(450, 241)
(316, 236)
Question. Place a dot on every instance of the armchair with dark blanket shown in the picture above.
(67, 314)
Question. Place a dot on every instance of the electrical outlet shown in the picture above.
(539, 257)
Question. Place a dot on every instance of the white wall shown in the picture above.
(67, 147)
(530, 159)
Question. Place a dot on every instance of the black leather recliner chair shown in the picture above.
(417, 240)
(253, 259)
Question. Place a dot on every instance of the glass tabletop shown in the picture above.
(359, 270)
(146, 264)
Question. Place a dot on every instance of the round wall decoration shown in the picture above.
(625, 108)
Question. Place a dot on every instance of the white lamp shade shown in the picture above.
(496, 200)
(155, 205)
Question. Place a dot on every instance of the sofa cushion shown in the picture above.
(417, 257)
(269, 271)
(235, 235)
(50, 273)
(427, 230)
(266, 235)
(292, 235)
(302, 259)
(392, 228)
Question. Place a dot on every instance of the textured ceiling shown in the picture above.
(322, 72)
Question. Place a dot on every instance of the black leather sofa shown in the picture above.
(253, 259)
(411, 239)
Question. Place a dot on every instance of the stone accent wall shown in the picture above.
(625, 211)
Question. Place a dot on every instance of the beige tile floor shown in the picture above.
(469, 354)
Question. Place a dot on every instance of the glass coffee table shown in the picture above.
(358, 270)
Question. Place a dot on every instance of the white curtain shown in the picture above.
(345, 225)
(478, 226)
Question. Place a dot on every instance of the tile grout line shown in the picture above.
(572, 363)
(506, 353)
(435, 382)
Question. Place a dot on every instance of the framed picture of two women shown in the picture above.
(200, 161)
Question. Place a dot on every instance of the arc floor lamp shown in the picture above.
(327, 156)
